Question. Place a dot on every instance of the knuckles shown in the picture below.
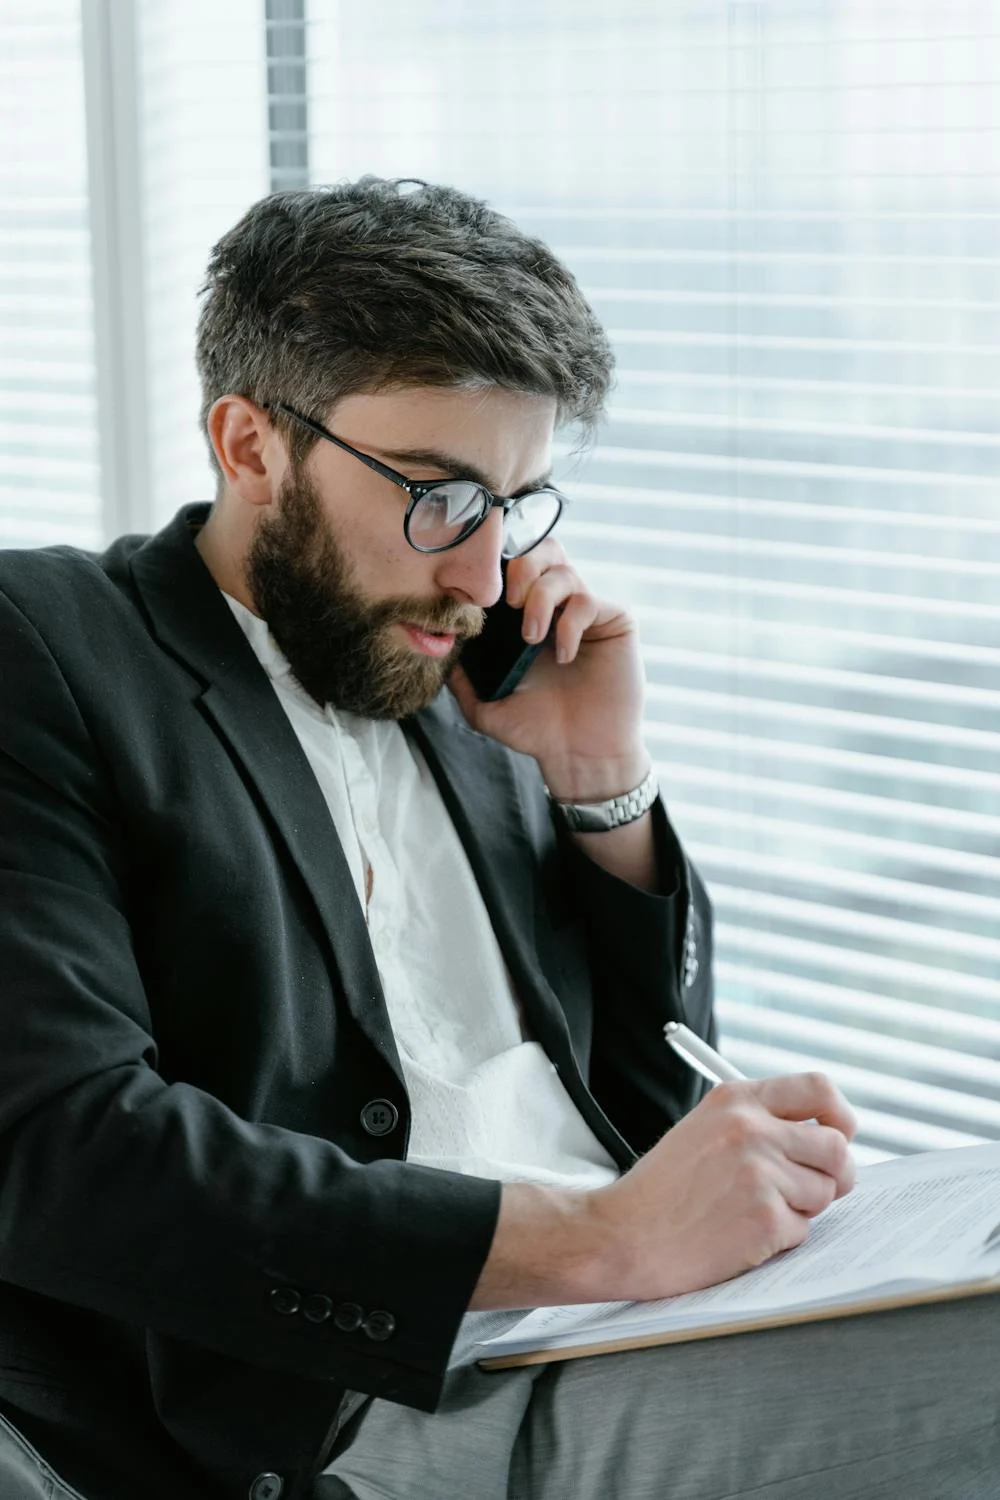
(772, 1227)
(753, 1182)
(740, 1122)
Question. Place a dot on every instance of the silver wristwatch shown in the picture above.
(601, 817)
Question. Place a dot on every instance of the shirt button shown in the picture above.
(379, 1117)
(317, 1308)
(267, 1487)
(348, 1317)
(285, 1300)
(379, 1325)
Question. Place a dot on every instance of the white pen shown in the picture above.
(698, 1054)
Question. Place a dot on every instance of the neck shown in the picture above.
(223, 549)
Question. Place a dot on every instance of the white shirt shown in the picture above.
(484, 1098)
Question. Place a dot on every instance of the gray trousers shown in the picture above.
(901, 1405)
(24, 1474)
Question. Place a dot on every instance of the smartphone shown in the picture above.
(497, 659)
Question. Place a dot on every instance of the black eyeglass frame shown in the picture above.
(417, 489)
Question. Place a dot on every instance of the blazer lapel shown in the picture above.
(191, 619)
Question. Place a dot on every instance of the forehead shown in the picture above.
(503, 436)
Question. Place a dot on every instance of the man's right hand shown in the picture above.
(735, 1182)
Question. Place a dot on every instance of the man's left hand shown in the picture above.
(578, 710)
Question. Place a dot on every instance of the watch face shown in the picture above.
(583, 819)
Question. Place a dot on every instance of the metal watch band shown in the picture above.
(601, 817)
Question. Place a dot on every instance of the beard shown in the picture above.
(339, 645)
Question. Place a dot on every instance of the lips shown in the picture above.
(430, 642)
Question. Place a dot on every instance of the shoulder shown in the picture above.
(64, 591)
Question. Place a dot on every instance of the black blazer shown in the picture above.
(196, 1222)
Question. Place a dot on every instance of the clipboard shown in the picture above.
(757, 1324)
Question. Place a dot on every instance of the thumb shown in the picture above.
(464, 694)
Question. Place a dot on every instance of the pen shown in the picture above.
(698, 1054)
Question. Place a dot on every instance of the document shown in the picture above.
(919, 1228)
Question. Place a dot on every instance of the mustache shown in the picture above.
(442, 616)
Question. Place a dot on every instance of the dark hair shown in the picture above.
(322, 292)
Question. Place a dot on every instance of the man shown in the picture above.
(329, 1034)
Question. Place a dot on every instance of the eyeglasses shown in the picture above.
(443, 512)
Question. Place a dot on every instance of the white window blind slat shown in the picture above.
(747, 829)
(602, 532)
(620, 456)
(835, 344)
(965, 825)
(882, 933)
(752, 511)
(831, 721)
(845, 965)
(807, 674)
(646, 584)
(947, 1068)
(827, 880)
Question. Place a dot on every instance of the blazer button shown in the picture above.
(317, 1308)
(379, 1117)
(285, 1300)
(379, 1325)
(348, 1317)
(267, 1487)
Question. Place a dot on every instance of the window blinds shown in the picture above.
(108, 215)
(788, 215)
(201, 88)
(49, 484)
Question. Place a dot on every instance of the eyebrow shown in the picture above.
(457, 468)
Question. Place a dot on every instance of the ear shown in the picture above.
(250, 453)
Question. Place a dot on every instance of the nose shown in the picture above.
(470, 573)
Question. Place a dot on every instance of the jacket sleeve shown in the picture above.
(651, 962)
(150, 1201)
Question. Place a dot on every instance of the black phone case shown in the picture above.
(497, 659)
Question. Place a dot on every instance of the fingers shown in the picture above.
(560, 589)
(549, 589)
(807, 1096)
(765, 1122)
(806, 1191)
(822, 1146)
(523, 571)
(825, 1150)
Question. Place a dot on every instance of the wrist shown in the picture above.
(549, 1248)
(605, 1259)
(579, 779)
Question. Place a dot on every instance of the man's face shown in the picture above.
(367, 623)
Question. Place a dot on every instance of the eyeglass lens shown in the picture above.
(451, 510)
(529, 520)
